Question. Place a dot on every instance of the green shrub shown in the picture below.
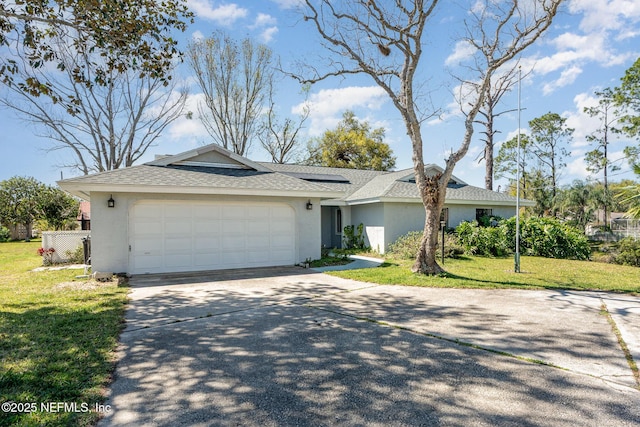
(628, 252)
(5, 234)
(546, 237)
(76, 256)
(354, 239)
(478, 240)
(406, 247)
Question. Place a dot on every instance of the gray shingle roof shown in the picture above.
(455, 193)
(357, 178)
(354, 185)
(190, 176)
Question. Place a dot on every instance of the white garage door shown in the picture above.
(193, 236)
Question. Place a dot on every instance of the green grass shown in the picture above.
(329, 260)
(56, 343)
(494, 273)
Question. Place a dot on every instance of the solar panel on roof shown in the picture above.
(319, 177)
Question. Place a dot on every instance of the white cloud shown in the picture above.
(268, 34)
(264, 20)
(288, 4)
(580, 121)
(577, 168)
(566, 78)
(592, 42)
(185, 128)
(598, 15)
(327, 105)
(267, 24)
(461, 51)
(225, 15)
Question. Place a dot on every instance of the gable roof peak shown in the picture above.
(212, 155)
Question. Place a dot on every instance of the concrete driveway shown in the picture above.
(286, 346)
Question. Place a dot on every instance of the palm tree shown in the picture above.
(631, 195)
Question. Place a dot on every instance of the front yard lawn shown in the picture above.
(57, 340)
(480, 272)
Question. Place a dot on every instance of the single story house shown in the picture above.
(209, 209)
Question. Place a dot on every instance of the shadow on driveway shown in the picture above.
(295, 349)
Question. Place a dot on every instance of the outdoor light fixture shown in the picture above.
(309, 205)
(111, 203)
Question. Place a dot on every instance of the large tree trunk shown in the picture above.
(425, 262)
(433, 195)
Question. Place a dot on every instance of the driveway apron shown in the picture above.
(286, 346)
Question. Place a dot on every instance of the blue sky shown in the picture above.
(590, 45)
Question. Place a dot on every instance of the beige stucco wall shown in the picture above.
(110, 234)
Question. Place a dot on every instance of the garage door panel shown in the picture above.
(206, 211)
(149, 262)
(283, 227)
(177, 227)
(257, 257)
(251, 214)
(207, 227)
(233, 242)
(260, 242)
(179, 261)
(281, 255)
(178, 245)
(234, 212)
(189, 236)
(149, 246)
(234, 226)
(145, 210)
(206, 243)
(233, 258)
(148, 228)
(206, 259)
(177, 211)
(257, 227)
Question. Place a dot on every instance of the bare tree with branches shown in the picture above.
(384, 40)
(236, 80)
(502, 84)
(106, 126)
(279, 137)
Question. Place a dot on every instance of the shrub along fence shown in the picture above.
(544, 237)
(66, 245)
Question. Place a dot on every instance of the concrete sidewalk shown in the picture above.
(357, 262)
(288, 347)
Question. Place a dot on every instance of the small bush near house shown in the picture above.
(628, 252)
(76, 256)
(5, 234)
(406, 247)
(354, 237)
(479, 240)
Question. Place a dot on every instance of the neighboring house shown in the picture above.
(209, 209)
(19, 232)
(84, 215)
